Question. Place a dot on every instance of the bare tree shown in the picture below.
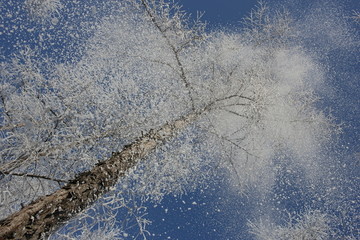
(147, 75)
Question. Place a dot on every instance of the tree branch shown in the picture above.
(34, 176)
(174, 50)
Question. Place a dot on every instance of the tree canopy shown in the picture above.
(84, 83)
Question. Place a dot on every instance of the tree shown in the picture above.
(146, 75)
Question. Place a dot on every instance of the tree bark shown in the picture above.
(38, 219)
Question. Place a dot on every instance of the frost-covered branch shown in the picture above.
(170, 20)
(311, 225)
(356, 16)
(42, 8)
(33, 176)
(266, 29)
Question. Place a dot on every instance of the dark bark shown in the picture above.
(38, 219)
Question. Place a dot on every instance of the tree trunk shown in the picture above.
(46, 214)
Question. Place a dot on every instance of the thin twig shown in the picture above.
(34, 176)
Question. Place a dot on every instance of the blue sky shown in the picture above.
(219, 12)
(214, 213)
